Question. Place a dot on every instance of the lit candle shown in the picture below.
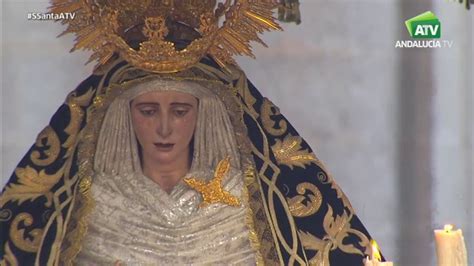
(450, 247)
(375, 257)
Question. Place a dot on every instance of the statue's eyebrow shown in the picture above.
(157, 104)
(181, 104)
(146, 104)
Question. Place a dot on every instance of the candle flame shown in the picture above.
(448, 228)
(375, 251)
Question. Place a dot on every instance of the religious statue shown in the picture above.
(168, 155)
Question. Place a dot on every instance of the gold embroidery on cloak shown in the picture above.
(289, 152)
(31, 186)
(5, 215)
(291, 244)
(268, 110)
(243, 89)
(47, 137)
(258, 220)
(314, 201)
(327, 179)
(83, 204)
(337, 229)
(18, 237)
(75, 103)
(9, 258)
(249, 180)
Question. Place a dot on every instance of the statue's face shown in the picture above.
(164, 124)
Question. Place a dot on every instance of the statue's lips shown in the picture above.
(164, 146)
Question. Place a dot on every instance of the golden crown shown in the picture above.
(145, 32)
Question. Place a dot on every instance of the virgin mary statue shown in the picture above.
(168, 155)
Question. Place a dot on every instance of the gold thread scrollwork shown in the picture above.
(49, 141)
(77, 234)
(327, 179)
(5, 215)
(324, 178)
(8, 258)
(314, 200)
(255, 243)
(31, 186)
(337, 229)
(321, 246)
(31, 242)
(75, 104)
(243, 89)
(289, 152)
(46, 215)
(267, 111)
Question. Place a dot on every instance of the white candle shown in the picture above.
(375, 257)
(450, 247)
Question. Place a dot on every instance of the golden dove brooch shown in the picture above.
(212, 191)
